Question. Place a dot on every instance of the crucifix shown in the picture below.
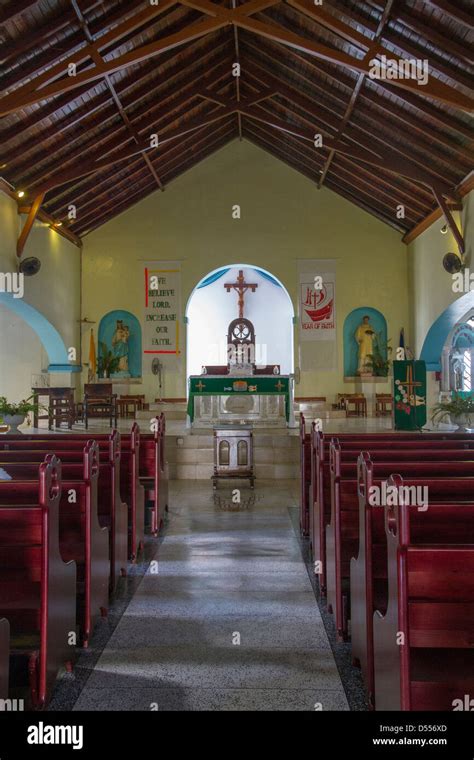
(241, 287)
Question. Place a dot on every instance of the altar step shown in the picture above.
(191, 457)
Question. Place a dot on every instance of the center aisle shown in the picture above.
(221, 577)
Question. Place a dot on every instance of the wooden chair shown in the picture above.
(128, 405)
(61, 408)
(99, 403)
(382, 402)
(359, 402)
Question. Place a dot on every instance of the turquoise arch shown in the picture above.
(441, 328)
(46, 332)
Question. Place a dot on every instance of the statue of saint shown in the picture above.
(120, 345)
(364, 336)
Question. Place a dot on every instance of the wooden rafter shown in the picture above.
(453, 11)
(435, 89)
(458, 236)
(29, 222)
(355, 94)
(99, 60)
(56, 81)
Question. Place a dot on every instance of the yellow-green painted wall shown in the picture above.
(283, 218)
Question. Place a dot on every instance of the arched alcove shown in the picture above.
(351, 323)
(121, 332)
(442, 328)
(210, 309)
(46, 332)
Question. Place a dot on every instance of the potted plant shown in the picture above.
(459, 409)
(378, 361)
(108, 362)
(13, 415)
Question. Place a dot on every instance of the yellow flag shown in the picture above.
(92, 355)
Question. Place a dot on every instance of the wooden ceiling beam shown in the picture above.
(434, 89)
(143, 119)
(97, 182)
(123, 114)
(47, 84)
(14, 9)
(286, 159)
(457, 234)
(370, 142)
(217, 67)
(99, 187)
(114, 210)
(428, 32)
(361, 132)
(29, 222)
(341, 79)
(115, 157)
(375, 182)
(457, 14)
(355, 94)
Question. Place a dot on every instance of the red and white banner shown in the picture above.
(317, 306)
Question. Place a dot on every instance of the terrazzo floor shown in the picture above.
(225, 617)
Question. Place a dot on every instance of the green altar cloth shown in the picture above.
(230, 385)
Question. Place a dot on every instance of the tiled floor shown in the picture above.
(226, 618)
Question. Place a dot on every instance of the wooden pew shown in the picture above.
(435, 446)
(4, 659)
(112, 510)
(342, 532)
(81, 538)
(142, 466)
(38, 589)
(154, 475)
(305, 476)
(431, 603)
(368, 569)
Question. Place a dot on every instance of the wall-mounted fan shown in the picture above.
(452, 263)
(157, 369)
(30, 266)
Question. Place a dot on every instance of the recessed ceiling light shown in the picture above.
(20, 193)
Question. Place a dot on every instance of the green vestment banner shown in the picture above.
(409, 394)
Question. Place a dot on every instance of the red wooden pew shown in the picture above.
(145, 448)
(368, 569)
(80, 536)
(342, 532)
(305, 476)
(37, 589)
(435, 447)
(4, 659)
(431, 604)
(112, 509)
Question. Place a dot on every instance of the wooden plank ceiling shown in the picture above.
(88, 87)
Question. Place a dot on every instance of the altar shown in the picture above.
(262, 400)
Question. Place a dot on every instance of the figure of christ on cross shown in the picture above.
(241, 287)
